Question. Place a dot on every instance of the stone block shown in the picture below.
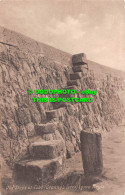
(79, 59)
(47, 149)
(78, 68)
(73, 82)
(74, 76)
(70, 87)
(70, 149)
(23, 115)
(48, 137)
(51, 114)
(57, 105)
(37, 171)
(91, 149)
(30, 130)
(46, 128)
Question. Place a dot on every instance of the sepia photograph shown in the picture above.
(62, 97)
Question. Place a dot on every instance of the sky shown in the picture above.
(94, 27)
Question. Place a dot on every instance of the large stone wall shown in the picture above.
(23, 68)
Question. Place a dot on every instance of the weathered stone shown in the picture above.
(73, 82)
(41, 109)
(35, 114)
(48, 137)
(79, 59)
(61, 113)
(57, 135)
(3, 132)
(70, 109)
(5, 75)
(47, 149)
(69, 149)
(51, 114)
(5, 149)
(38, 171)
(30, 130)
(15, 147)
(42, 71)
(23, 141)
(91, 148)
(78, 68)
(57, 105)
(23, 115)
(46, 128)
(52, 136)
(70, 87)
(75, 76)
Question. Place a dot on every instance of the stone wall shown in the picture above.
(20, 70)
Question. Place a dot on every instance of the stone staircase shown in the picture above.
(47, 153)
(79, 64)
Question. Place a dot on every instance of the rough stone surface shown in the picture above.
(51, 114)
(38, 171)
(46, 128)
(75, 76)
(47, 149)
(79, 59)
(91, 149)
(78, 68)
(35, 65)
(73, 82)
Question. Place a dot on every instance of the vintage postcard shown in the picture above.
(62, 97)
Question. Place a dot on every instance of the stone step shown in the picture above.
(79, 59)
(37, 171)
(79, 68)
(45, 150)
(48, 137)
(51, 114)
(46, 128)
(70, 87)
(57, 105)
(61, 112)
(53, 136)
(73, 82)
(58, 112)
(75, 76)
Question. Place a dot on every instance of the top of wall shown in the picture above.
(28, 45)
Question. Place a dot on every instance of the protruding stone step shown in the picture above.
(70, 87)
(61, 113)
(57, 105)
(53, 136)
(46, 128)
(51, 114)
(77, 75)
(48, 137)
(73, 82)
(47, 149)
(37, 171)
(79, 59)
(79, 68)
